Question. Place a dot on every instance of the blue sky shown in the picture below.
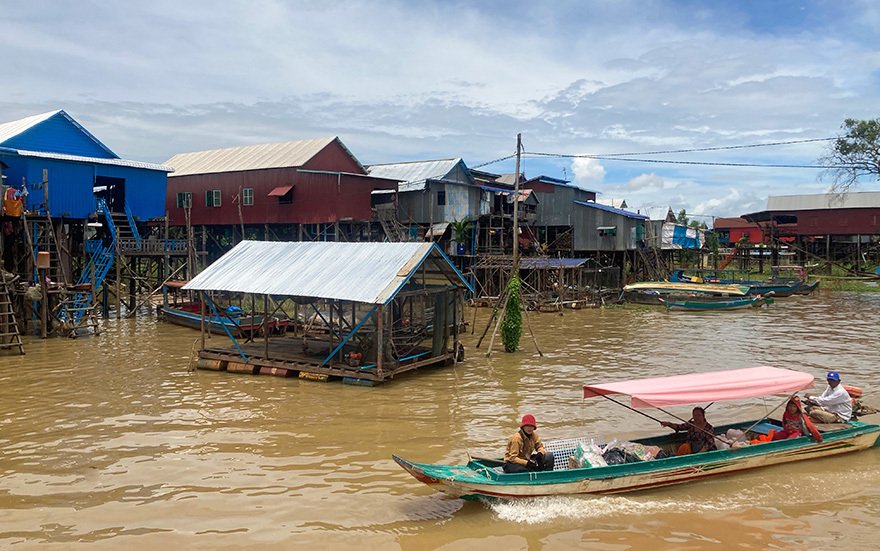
(400, 81)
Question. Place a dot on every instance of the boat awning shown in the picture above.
(702, 388)
(280, 191)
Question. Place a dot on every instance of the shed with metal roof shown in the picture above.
(401, 298)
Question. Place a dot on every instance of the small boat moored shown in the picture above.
(484, 478)
(697, 304)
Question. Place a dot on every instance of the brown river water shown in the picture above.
(111, 443)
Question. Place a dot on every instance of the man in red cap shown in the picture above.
(525, 452)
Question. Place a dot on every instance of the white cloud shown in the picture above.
(644, 182)
(587, 172)
(401, 81)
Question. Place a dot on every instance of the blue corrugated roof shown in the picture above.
(53, 132)
(532, 263)
(621, 212)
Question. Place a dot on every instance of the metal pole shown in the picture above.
(266, 325)
(380, 341)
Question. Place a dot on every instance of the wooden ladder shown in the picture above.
(9, 335)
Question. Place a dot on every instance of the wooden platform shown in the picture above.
(287, 354)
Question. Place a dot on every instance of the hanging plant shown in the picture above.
(511, 325)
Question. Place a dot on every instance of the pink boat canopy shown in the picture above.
(701, 388)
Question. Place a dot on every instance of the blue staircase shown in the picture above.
(75, 308)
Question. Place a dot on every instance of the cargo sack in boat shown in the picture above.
(637, 452)
(618, 452)
(588, 456)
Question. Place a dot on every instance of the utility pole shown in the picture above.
(515, 269)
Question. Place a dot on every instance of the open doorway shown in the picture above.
(111, 190)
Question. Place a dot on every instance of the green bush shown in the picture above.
(511, 325)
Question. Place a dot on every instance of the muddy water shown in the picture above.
(110, 443)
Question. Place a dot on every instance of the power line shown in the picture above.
(498, 160)
(662, 161)
(720, 148)
(616, 156)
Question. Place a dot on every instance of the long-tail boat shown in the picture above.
(650, 292)
(697, 304)
(484, 478)
(737, 277)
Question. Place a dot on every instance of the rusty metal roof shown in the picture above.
(248, 157)
(361, 272)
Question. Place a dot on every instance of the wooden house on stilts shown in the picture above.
(374, 310)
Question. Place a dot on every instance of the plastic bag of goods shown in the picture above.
(586, 456)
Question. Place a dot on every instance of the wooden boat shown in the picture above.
(793, 275)
(188, 314)
(650, 292)
(484, 479)
(736, 277)
(696, 304)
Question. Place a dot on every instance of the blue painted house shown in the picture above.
(80, 170)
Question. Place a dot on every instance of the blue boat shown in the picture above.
(696, 304)
(737, 277)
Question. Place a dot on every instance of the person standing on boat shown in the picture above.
(833, 406)
(525, 452)
(700, 434)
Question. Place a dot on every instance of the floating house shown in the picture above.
(374, 310)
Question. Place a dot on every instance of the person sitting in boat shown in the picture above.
(792, 422)
(833, 406)
(525, 452)
(700, 434)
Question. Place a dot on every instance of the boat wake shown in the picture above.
(547, 509)
(764, 492)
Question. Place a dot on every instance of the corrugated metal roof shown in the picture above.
(864, 199)
(622, 212)
(248, 157)
(10, 130)
(362, 272)
(509, 179)
(616, 203)
(14, 128)
(414, 174)
(656, 213)
(536, 263)
(79, 159)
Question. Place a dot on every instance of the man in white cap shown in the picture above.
(833, 406)
(525, 452)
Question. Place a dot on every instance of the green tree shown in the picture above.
(854, 155)
(682, 218)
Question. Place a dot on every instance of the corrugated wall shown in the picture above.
(317, 197)
(587, 236)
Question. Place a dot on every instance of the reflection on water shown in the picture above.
(110, 442)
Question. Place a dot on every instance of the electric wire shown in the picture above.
(618, 156)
